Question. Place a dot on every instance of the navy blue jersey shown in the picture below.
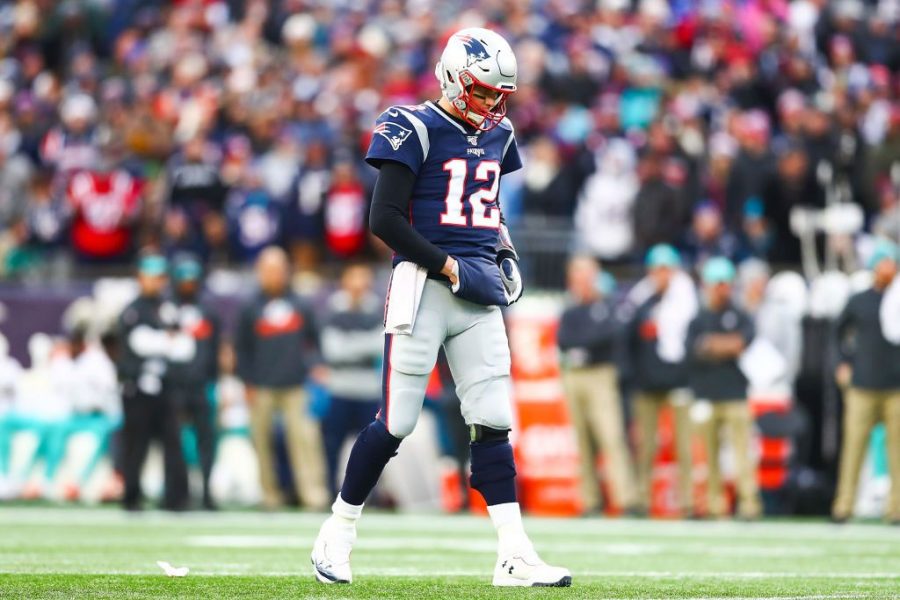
(454, 202)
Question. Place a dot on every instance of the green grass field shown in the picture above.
(102, 553)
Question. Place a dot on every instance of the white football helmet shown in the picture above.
(476, 56)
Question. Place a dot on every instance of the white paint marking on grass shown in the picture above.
(424, 573)
(763, 531)
(489, 546)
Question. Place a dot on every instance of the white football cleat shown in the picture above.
(331, 552)
(526, 569)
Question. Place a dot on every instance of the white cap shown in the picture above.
(298, 28)
(78, 106)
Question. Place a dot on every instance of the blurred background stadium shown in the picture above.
(765, 131)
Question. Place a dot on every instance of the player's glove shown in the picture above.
(508, 261)
(512, 279)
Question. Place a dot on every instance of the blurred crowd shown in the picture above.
(221, 127)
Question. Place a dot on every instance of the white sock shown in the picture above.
(346, 513)
(507, 520)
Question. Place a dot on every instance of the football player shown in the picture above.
(435, 204)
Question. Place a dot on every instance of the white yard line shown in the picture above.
(301, 571)
(771, 530)
(489, 546)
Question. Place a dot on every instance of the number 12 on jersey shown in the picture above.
(485, 212)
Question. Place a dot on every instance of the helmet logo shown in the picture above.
(475, 50)
(395, 134)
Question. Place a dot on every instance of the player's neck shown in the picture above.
(447, 107)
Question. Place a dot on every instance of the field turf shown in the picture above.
(102, 553)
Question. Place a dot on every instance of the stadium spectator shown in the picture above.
(10, 379)
(793, 185)
(603, 216)
(196, 197)
(352, 342)
(105, 201)
(255, 217)
(881, 168)
(306, 207)
(46, 222)
(276, 343)
(235, 475)
(773, 306)
(708, 237)
(660, 208)
(72, 146)
(655, 358)
(10, 372)
(868, 373)
(753, 167)
(150, 342)
(551, 185)
(191, 381)
(346, 213)
(43, 408)
(716, 338)
(96, 400)
(15, 175)
(756, 235)
(589, 336)
(886, 222)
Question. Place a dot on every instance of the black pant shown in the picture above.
(145, 418)
(194, 408)
(344, 417)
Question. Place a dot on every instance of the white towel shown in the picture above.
(404, 295)
(677, 309)
(889, 312)
(763, 365)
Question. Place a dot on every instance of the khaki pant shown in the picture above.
(596, 412)
(304, 445)
(646, 411)
(733, 417)
(862, 410)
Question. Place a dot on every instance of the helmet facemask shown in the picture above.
(472, 110)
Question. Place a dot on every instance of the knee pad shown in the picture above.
(400, 425)
(487, 401)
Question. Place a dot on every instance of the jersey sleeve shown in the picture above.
(511, 159)
(396, 138)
